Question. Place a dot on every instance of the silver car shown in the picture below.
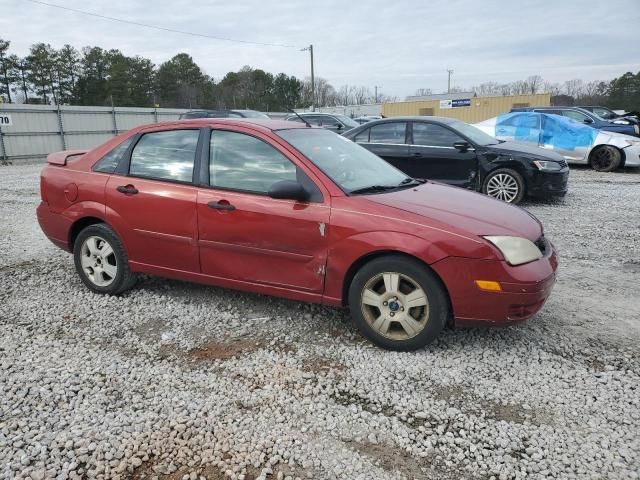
(578, 143)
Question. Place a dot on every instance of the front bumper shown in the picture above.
(525, 288)
(632, 156)
(548, 184)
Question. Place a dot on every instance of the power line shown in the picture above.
(130, 22)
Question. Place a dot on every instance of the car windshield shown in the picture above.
(349, 122)
(604, 113)
(474, 134)
(253, 114)
(349, 165)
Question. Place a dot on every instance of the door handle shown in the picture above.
(416, 154)
(221, 205)
(127, 189)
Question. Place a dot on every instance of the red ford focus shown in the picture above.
(283, 209)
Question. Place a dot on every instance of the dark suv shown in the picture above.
(585, 116)
(222, 114)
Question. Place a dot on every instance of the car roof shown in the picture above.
(314, 113)
(413, 118)
(263, 123)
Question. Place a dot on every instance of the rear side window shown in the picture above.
(109, 162)
(388, 133)
(167, 155)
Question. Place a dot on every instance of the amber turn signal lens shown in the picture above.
(489, 285)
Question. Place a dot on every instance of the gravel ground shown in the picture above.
(177, 380)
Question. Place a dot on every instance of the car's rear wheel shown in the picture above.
(101, 260)
(398, 303)
(504, 184)
(605, 158)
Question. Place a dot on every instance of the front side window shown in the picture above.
(242, 162)
(394, 132)
(577, 116)
(349, 165)
(432, 135)
(109, 162)
(362, 137)
(167, 155)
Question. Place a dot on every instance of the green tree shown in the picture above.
(41, 76)
(287, 92)
(92, 84)
(624, 92)
(8, 69)
(68, 68)
(181, 83)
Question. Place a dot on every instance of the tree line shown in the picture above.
(621, 93)
(96, 76)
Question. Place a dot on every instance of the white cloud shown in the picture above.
(401, 45)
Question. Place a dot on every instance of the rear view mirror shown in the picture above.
(462, 146)
(288, 190)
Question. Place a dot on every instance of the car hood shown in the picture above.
(462, 211)
(524, 149)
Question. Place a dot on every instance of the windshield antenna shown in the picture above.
(303, 120)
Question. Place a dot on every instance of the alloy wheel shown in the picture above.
(98, 261)
(602, 159)
(503, 187)
(395, 305)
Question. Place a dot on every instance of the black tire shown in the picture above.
(409, 270)
(605, 158)
(510, 176)
(123, 279)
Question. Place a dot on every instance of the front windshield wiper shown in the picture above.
(373, 189)
(406, 183)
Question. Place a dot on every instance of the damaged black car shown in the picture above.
(450, 151)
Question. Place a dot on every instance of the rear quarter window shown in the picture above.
(109, 162)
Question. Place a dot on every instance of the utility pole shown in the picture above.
(313, 79)
(376, 88)
(449, 81)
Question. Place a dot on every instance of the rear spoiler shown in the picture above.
(60, 158)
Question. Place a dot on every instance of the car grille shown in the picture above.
(541, 243)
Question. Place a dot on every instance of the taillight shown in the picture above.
(43, 190)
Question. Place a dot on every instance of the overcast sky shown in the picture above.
(396, 44)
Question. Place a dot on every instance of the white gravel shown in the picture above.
(177, 380)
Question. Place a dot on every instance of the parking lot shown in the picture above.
(176, 379)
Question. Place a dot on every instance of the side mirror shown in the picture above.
(462, 146)
(588, 120)
(339, 126)
(288, 190)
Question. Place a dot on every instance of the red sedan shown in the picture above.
(284, 209)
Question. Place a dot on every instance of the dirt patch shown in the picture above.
(322, 365)
(393, 459)
(225, 350)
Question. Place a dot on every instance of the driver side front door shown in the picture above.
(246, 236)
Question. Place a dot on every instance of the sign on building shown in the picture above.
(459, 102)
(5, 120)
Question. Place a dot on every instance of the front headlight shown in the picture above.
(547, 166)
(516, 250)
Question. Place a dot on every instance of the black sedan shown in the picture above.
(450, 151)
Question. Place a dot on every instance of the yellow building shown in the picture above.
(465, 107)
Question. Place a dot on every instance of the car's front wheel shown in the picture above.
(398, 303)
(101, 260)
(504, 184)
(605, 158)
